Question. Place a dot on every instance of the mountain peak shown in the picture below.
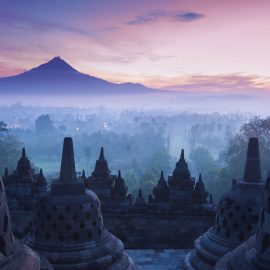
(58, 77)
(56, 59)
(55, 64)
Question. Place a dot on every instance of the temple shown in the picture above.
(139, 223)
(119, 194)
(68, 225)
(236, 218)
(13, 254)
(23, 187)
(66, 229)
(161, 190)
(101, 181)
(254, 254)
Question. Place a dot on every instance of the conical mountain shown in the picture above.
(55, 64)
(58, 77)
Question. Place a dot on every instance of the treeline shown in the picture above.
(140, 143)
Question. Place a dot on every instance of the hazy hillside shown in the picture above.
(58, 77)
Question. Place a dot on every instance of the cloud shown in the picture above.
(7, 69)
(229, 83)
(236, 83)
(23, 22)
(147, 18)
(156, 15)
(188, 16)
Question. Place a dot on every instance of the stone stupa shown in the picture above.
(13, 254)
(101, 180)
(68, 228)
(236, 219)
(254, 254)
(23, 187)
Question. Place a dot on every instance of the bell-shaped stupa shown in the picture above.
(101, 180)
(13, 254)
(236, 218)
(68, 228)
(161, 190)
(23, 186)
(254, 254)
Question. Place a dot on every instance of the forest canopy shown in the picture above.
(140, 143)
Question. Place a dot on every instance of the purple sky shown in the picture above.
(185, 45)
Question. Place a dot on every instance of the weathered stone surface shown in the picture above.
(158, 259)
(68, 228)
(236, 219)
(13, 254)
(254, 254)
(101, 181)
(177, 214)
(148, 228)
(23, 187)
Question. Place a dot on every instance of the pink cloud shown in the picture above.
(228, 83)
(232, 38)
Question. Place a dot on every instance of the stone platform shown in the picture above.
(158, 259)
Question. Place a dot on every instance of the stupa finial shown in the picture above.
(67, 172)
(253, 167)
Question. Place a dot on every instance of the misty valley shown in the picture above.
(134, 135)
(139, 143)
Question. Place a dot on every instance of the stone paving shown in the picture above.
(158, 259)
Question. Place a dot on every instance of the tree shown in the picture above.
(213, 175)
(132, 182)
(3, 127)
(235, 152)
(9, 149)
(44, 125)
(160, 160)
(148, 180)
(87, 154)
(202, 159)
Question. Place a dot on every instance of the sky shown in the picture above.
(213, 45)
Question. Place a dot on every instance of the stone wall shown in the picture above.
(144, 228)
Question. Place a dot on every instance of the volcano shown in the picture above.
(60, 78)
